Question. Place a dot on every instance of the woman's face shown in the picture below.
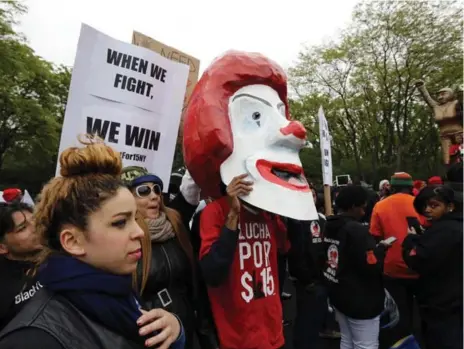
(458, 138)
(435, 209)
(148, 199)
(22, 241)
(113, 239)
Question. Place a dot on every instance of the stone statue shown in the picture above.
(446, 114)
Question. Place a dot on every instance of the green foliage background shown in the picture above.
(364, 79)
(33, 95)
(365, 82)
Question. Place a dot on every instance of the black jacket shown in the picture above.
(55, 323)
(17, 288)
(306, 257)
(353, 268)
(207, 334)
(170, 281)
(437, 256)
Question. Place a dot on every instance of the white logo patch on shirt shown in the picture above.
(24, 296)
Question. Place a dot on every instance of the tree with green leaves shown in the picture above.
(365, 82)
(33, 95)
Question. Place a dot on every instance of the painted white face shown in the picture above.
(266, 147)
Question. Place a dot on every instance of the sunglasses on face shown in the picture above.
(145, 190)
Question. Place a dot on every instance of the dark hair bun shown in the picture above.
(95, 158)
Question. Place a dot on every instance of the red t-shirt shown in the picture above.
(392, 217)
(246, 308)
(283, 244)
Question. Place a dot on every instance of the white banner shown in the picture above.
(129, 95)
(326, 149)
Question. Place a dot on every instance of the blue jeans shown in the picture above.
(311, 313)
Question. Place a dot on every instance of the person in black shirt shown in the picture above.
(206, 331)
(372, 199)
(305, 262)
(18, 246)
(353, 271)
(86, 219)
(437, 255)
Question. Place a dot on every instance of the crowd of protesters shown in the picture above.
(105, 260)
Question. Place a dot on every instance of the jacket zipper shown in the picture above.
(169, 265)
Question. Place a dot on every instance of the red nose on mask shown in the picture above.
(295, 128)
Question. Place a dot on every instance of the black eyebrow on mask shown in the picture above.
(251, 96)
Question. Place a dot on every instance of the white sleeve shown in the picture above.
(189, 189)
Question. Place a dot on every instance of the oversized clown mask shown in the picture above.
(266, 147)
(236, 123)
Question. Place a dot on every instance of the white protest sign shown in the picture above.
(130, 96)
(326, 149)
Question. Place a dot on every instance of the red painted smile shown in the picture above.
(286, 175)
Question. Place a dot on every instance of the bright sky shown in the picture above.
(201, 28)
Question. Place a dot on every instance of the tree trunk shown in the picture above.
(1, 166)
(357, 158)
(399, 159)
(375, 154)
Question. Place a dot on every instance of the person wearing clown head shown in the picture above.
(242, 150)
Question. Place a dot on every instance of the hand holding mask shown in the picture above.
(238, 187)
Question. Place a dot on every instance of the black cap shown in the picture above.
(442, 192)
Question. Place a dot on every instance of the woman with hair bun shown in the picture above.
(87, 222)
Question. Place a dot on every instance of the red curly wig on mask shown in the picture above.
(208, 140)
